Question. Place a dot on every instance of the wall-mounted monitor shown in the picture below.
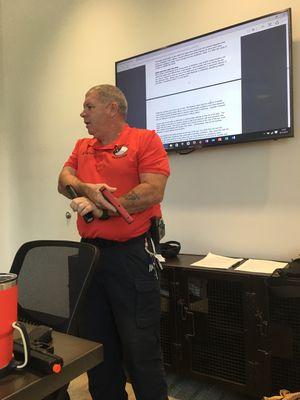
(228, 86)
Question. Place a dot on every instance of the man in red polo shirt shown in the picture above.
(123, 303)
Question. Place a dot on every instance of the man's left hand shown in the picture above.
(83, 205)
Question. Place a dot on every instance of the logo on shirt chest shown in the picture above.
(120, 151)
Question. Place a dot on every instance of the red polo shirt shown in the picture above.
(119, 164)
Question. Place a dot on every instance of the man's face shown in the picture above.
(96, 115)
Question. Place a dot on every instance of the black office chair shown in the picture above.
(53, 277)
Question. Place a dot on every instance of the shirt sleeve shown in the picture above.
(152, 156)
(73, 158)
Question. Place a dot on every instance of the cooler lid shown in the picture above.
(7, 280)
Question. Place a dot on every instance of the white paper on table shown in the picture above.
(215, 261)
(260, 266)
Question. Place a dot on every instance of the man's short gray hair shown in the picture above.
(109, 93)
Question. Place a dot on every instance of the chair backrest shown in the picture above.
(53, 276)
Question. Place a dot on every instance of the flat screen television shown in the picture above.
(227, 86)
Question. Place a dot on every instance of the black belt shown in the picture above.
(102, 243)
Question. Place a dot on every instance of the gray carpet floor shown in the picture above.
(179, 389)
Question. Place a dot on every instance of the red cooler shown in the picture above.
(8, 318)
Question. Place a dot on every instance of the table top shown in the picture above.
(79, 355)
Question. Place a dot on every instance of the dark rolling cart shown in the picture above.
(235, 328)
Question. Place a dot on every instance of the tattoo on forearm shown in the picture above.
(132, 196)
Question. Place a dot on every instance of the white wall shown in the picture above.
(4, 172)
(241, 200)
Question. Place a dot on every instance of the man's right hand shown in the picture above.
(89, 190)
(92, 191)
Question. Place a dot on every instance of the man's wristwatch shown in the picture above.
(104, 215)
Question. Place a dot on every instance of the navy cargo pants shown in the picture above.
(122, 311)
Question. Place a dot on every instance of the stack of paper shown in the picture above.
(215, 261)
(260, 266)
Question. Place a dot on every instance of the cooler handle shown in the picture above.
(26, 343)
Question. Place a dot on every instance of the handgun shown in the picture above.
(40, 359)
(118, 206)
(72, 192)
